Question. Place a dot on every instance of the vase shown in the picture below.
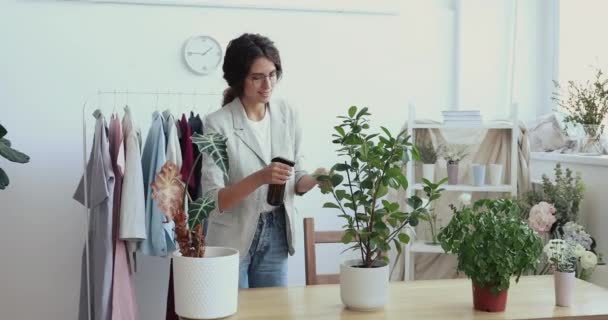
(479, 175)
(428, 172)
(453, 173)
(363, 289)
(485, 300)
(563, 283)
(206, 288)
(495, 174)
(590, 140)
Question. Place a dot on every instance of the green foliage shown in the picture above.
(359, 184)
(565, 193)
(10, 154)
(492, 242)
(213, 144)
(199, 210)
(428, 153)
(586, 103)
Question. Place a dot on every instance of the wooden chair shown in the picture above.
(310, 239)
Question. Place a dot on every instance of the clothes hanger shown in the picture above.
(114, 106)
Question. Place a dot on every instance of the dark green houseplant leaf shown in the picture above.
(213, 144)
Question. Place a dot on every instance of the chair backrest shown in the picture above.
(310, 239)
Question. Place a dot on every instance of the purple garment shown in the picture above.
(100, 188)
(123, 294)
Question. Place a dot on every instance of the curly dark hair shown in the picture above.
(240, 55)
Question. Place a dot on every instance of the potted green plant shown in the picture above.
(586, 105)
(358, 187)
(452, 155)
(428, 156)
(492, 244)
(198, 269)
(10, 154)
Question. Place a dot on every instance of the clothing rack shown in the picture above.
(86, 113)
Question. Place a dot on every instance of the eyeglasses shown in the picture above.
(258, 79)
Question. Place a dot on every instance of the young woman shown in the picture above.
(258, 130)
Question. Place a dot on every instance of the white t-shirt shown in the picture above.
(261, 129)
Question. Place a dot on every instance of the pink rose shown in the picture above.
(542, 217)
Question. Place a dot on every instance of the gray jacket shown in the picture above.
(236, 227)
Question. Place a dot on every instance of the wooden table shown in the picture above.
(532, 298)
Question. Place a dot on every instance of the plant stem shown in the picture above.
(355, 206)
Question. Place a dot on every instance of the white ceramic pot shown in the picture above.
(363, 289)
(479, 175)
(428, 172)
(564, 288)
(206, 288)
(495, 174)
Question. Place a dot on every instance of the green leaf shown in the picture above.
(415, 153)
(214, 145)
(341, 194)
(340, 167)
(2, 131)
(404, 238)
(199, 210)
(340, 130)
(382, 191)
(352, 111)
(11, 154)
(363, 112)
(336, 179)
(388, 133)
(414, 221)
(348, 236)
(331, 205)
(4, 181)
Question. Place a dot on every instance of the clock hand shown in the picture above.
(204, 53)
(199, 53)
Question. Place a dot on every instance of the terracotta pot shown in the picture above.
(485, 300)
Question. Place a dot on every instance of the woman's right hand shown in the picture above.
(275, 173)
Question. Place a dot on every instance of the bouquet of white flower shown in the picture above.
(565, 255)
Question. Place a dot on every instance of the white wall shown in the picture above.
(54, 54)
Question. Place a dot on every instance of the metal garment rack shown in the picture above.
(86, 113)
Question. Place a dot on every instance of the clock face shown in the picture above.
(202, 54)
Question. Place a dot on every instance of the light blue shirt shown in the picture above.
(159, 240)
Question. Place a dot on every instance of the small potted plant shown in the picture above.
(586, 105)
(452, 155)
(428, 156)
(562, 256)
(9, 154)
(492, 244)
(358, 186)
(206, 278)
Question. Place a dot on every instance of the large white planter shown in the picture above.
(206, 288)
(428, 172)
(564, 288)
(363, 289)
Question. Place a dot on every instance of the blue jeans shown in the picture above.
(265, 265)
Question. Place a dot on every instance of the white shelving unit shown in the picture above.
(420, 246)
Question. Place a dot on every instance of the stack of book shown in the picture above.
(462, 118)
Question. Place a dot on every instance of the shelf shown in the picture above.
(483, 125)
(469, 188)
(422, 246)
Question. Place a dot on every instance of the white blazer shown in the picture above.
(236, 226)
